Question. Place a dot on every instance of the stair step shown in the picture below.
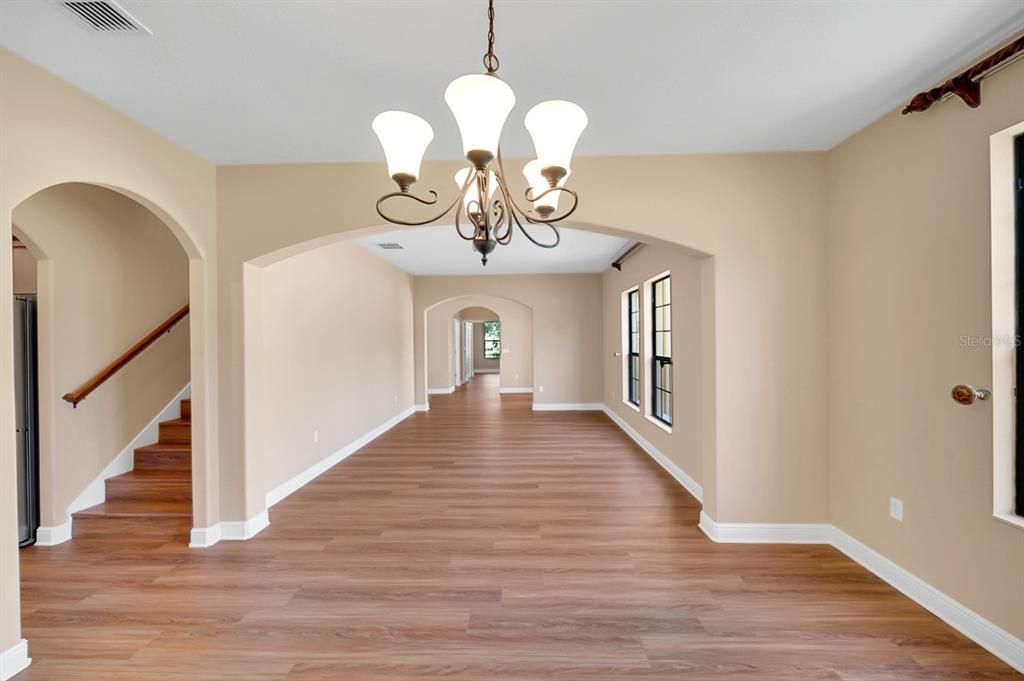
(164, 456)
(150, 485)
(134, 519)
(186, 409)
(139, 509)
(178, 430)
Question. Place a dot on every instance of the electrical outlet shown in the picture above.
(316, 436)
(541, 389)
(396, 399)
(517, 377)
(896, 509)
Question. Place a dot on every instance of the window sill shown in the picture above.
(661, 424)
(631, 406)
(1010, 519)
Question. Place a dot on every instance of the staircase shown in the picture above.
(153, 501)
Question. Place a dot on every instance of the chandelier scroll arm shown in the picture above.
(528, 215)
(502, 224)
(512, 212)
(425, 202)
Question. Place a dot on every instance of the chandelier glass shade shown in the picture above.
(481, 103)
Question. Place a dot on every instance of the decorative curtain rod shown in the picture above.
(625, 256)
(967, 85)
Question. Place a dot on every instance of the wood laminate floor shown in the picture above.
(480, 540)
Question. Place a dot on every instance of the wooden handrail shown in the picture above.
(134, 351)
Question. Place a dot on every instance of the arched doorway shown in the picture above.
(108, 272)
(566, 319)
(478, 343)
(507, 354)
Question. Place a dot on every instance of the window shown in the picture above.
(1019, 382)
(633, 347)
(492, 340)
(661, 350)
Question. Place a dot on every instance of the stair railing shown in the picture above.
(134, 351)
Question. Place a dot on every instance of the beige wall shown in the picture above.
(477, 314)
(333, 362)
(516, 372)
(440, 353)
(480, 362)
(684, 445)
(908, 264)
(24, 266)
(110, 272)
(566, 321)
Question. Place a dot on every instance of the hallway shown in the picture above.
(479, 540)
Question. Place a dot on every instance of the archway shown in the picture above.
(109, 270)
(478, 348)
(515, 367)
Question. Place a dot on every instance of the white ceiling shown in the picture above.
(247, 81)
(439, 250)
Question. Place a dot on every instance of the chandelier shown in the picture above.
(481, 103)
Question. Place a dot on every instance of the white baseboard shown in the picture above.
(240, 530)
(514, 391)
(691, 485)
(989, 636)
(57, 534)
(13, 660)
(229, 530)
(567, 406)
(441, 391)
(203, 537)
(992, 638)
(765, 533)
(421, 407)
(305, 477)
(96, 491)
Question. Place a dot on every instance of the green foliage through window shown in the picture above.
(492, 340)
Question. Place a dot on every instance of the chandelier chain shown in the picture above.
(491, 61)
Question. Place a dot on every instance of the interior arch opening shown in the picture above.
(102, 347)
(318, 388)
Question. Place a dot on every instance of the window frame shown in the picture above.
(658, 362)
(1018, 155)
(631, 342)
(496, 341)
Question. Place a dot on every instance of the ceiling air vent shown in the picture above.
(105, 16)
(391, 246)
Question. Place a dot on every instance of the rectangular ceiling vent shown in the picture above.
(391, 246)
(105, 16)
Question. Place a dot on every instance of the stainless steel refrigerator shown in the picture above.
(26, 419)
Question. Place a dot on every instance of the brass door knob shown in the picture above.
(966, 394)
